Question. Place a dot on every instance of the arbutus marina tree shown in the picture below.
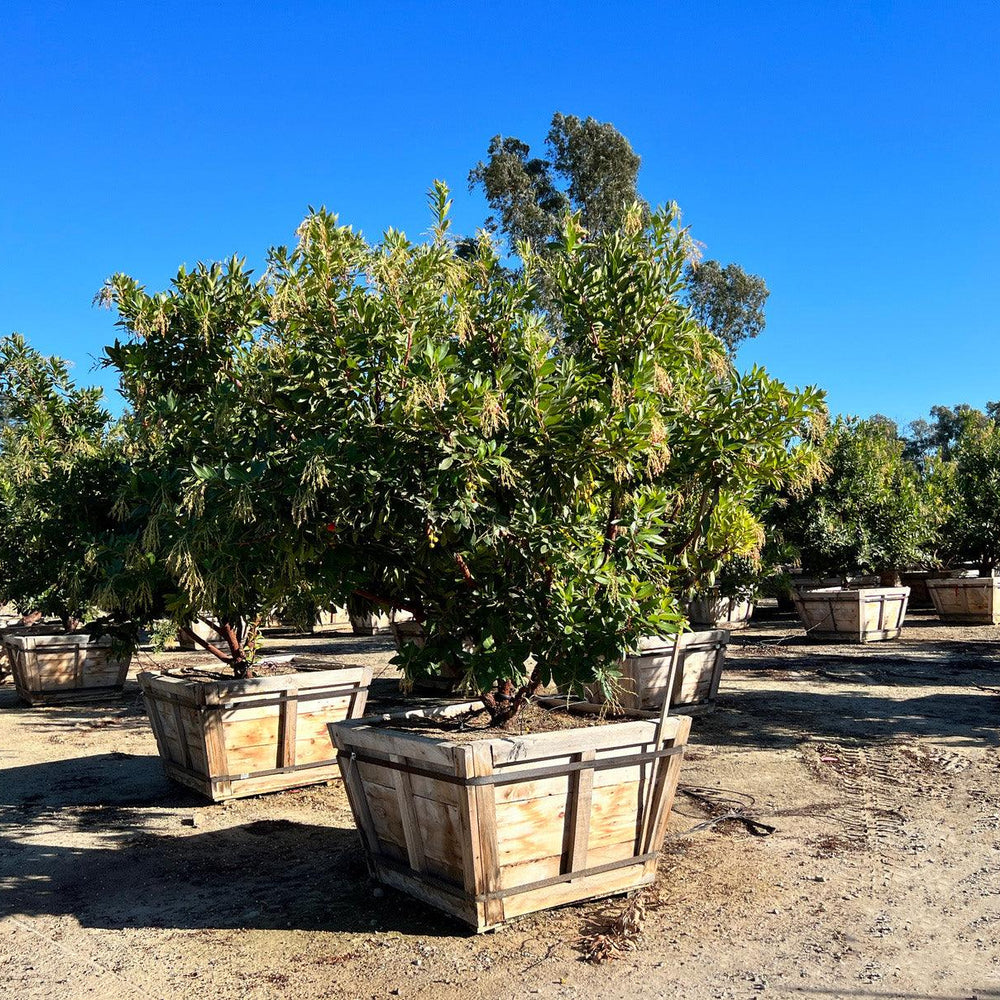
(212, 538)
(533, 482)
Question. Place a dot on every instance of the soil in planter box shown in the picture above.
(263, 668)
(475, 725)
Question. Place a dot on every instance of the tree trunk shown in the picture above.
(238, 661)
(889, 578)
(506, 702)
(237, 658)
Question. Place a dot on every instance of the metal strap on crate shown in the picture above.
(514, 777)
(516, 890)
(248, 701)
(255, 773)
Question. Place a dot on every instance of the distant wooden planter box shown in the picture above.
(15, 626)
(231, 738)
(67, 668)
(11, 627)
(333, 616)
(867, 614)
(973, 600)
(499, 827)
(918, 582)
(204, 632)
(715, 611)
(378, 623)
(696, 678)
(448, 679)
(408, 631)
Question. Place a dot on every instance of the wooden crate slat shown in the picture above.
(514, 875)
(489, 855)
(517, 855)
(581, 787)
(192, 735)
(412, 836)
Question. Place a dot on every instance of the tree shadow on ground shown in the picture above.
(269, 874)
(37, 792)
(127, 872)
(780, 718)
(127, 712)
(325, 642)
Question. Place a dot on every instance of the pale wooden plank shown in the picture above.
(535, 829)
(437, 791)
(520, 873)
(520, 749)
(590, 887)
(453, 904)
(287, 729)
(473, 879)
(411, 828)
(383, 741)
(482, 756)
(356, 796)
(579, 814)
(263, 784)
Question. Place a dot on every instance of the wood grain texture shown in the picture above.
(974, 600)
(64, 669)
(201, 730)
(866, 614)
(502, 838)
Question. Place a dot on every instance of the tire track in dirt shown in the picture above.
(62, 954)
(867, 777)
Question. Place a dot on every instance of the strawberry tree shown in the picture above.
(532, 476)
(206, 529)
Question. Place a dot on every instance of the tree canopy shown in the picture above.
(591, 169)
(869, 514)
(540, 464)
(60, 457)
(535, 484)
(727, 300)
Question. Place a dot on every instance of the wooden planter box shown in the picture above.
(203, 631)
(696, 677)
(333, 616)
(974, 600)
(232, 738)
(407, 631)
(15, 626)
(867, 614)
(448, 680)
(499, 827)
(715, 611)
(378, 623)
(67, 668)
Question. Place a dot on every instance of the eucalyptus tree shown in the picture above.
(941, 435)
(590, 168)
(728, 300)
(534, 484)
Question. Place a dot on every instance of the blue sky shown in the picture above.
(847, 152)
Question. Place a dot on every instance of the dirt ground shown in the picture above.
(877, 765)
